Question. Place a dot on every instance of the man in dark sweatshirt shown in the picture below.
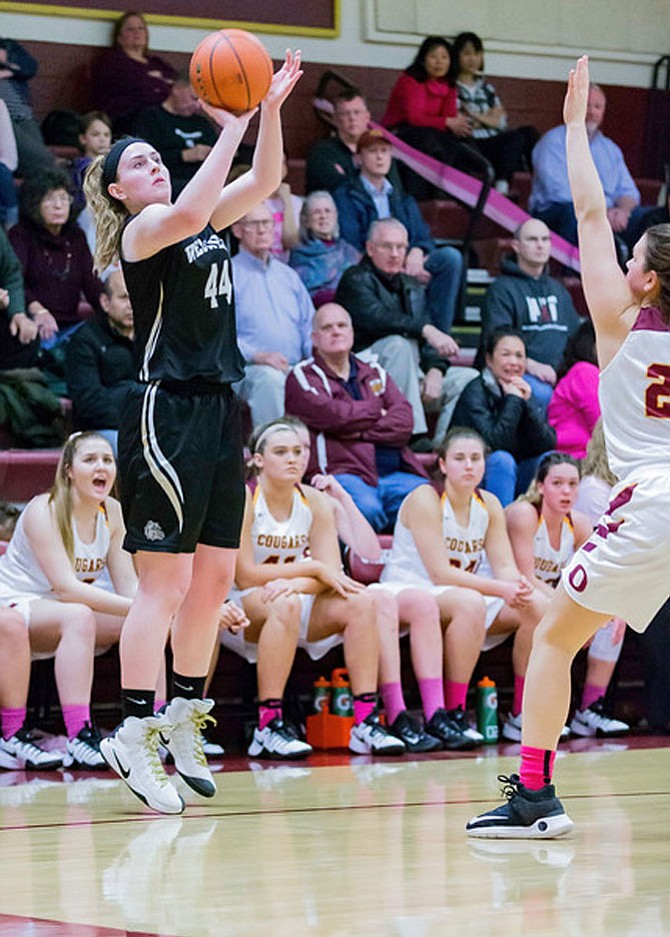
(526, 298)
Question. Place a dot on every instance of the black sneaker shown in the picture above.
(83, 750)
(526, 815)
(452, 729)
(408, 730)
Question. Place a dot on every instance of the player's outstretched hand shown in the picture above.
(283, 81)
(226, 119)
(576, 97)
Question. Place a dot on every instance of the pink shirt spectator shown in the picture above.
(420, 103)
(574, 408)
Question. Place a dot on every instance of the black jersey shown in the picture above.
(184, 312)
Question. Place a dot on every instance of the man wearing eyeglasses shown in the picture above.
(273, 313)
(391, 321)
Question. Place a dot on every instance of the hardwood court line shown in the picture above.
(9, 923)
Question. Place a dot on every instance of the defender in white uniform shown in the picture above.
(622, 568)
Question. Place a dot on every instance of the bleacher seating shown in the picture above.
(26, 472)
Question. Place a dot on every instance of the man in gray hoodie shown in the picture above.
(526, 298)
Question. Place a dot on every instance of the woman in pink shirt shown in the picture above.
(574, 409)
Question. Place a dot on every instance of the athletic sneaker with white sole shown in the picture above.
(596, 721)
(22, 750)
(83, 751)
(279, 742)
(511, 729)
(526, 815)
(132, 752)
(369, 737)
(187, 718)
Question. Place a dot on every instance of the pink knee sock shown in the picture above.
(454, 694)
(432, 695)
(364, 705)
(74, 718)
(158, 704)
(268, 710)
(537, 767)
(591, 693)
(394, 701)
(12, 721)
(518, 694)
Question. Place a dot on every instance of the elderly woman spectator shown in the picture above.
(56, 262)
(322, 255)
(128, 76)
(499, 404)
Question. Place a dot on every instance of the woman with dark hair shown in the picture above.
(499, 404)
(508, 150)
(574, 409)
(56, 262)
(423, 108)
(128, 76)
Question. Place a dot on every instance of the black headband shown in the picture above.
(111, 163)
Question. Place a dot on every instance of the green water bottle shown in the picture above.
(487, 710)
(341, 702)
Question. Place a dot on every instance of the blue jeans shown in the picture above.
(380, 505)
(506, 478)
(541, 390)
(560, 217)
(445, 265)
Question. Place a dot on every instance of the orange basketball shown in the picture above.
(231, 69)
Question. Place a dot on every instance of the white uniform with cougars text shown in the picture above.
(548, 561)
(623, 567)
(465, 546)
(278, 543)
(22, 580)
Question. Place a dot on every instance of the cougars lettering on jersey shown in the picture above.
(277, 541)
(84, 564)
(548, 561)
(465, 545)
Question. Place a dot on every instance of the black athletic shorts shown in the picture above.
(181, 467)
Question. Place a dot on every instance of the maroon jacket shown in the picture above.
(345, 431)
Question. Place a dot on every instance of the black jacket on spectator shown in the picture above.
(504, 420)
(99, 368)
(380, 306)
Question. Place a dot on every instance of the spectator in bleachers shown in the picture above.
(645, 217)
(17, 67)
(545, 531)
(359, 421)
(179, 130)
(574, 408)
(9, 515)
(507, 150)
(423, 111)
(526, 298)
(440, 543)
(550, 197)
(370, 195)
(390, 316)
(19, 342)
(63, 542)
(9, 160)
(322, 255)
(285, 207)
(273, 312)
(128, 77)
(333, 160)
(294, 602)
(56, 262)
(500, 406)
(100, 362)
(95, 138)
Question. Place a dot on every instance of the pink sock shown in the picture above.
(432, 695)
(12, 721)
(537, 767)
(74, 718)
(454, 694)
(518, 694)
(590, 694)
(363, 708)
(158, 704)
(266, 714)
(394, 702)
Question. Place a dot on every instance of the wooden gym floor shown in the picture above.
(341, 846)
